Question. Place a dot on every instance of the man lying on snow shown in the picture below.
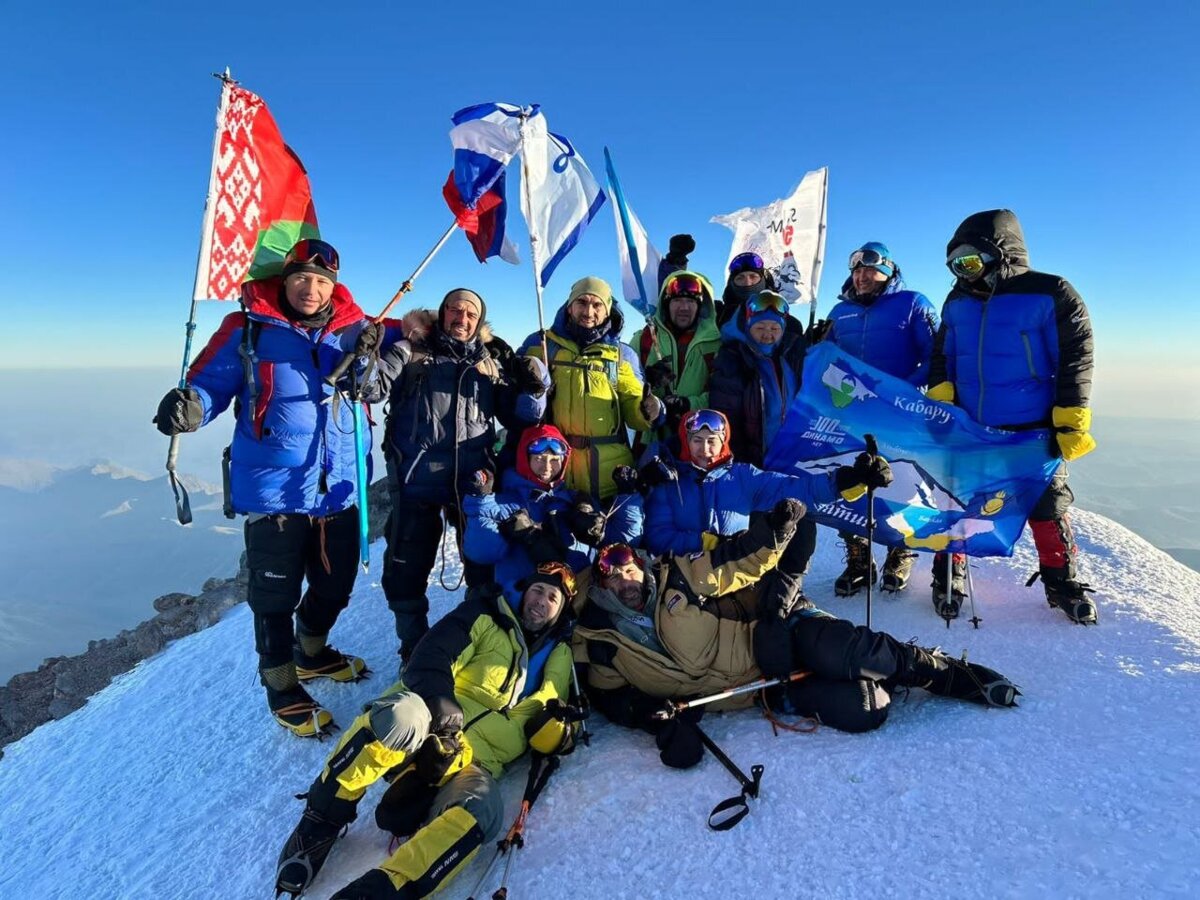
(487, 682)
(677, 627)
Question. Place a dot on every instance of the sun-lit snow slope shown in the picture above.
(175, 783)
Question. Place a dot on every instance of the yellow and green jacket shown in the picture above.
(704, 608)
(657, 342)
(478, 655)
(597, 392)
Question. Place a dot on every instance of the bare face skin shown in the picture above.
(460, 319)
(868, 281)
(683, 311)
(747, 279)
(626, 582)
(766, 333)
(587, 311)
(307, 292)
(705, 447)
(540, 604)
(547, 467)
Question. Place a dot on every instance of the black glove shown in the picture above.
(785, 514)
(526, 373)
(650, 407)
(447, 716)
(586, 522)
(518, 528)
(660, 376)
(369, 339)
(656, 472)
(678, 743)
(541, 542)
(869, 471)
(680, 247)
(180, 411)
(481, 483)
(626, 479)
(676, 408)
(432, 760)
(817, 332)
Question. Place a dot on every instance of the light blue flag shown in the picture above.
(560, 196)
(959, 485)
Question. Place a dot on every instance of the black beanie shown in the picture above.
(313, 266)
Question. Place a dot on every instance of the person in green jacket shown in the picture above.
(677, 347)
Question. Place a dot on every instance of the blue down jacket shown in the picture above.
(892, 331)
(293, 442)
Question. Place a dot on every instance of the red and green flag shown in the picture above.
(259, 200)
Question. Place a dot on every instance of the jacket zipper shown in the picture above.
(1029, 355)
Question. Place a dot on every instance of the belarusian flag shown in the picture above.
(259, 200)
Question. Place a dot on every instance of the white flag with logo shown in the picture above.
(560, 197)
(788, 234)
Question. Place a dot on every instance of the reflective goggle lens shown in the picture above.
(312, 250)
(562, 571)
(867, 258)
(614, 556)
(704, 418)
(969, 266)
(765, 301)
(685, 286)
(547, 445)
(746, 262)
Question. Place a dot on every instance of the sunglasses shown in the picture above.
(766, 301)
(562, 571)
(970, 265)
(868, 258)
(313, 250)
(746, 262)
(615, 556)
(685, 286)
(704, 418)
(547, 444)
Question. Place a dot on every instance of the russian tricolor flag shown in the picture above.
(485, 139)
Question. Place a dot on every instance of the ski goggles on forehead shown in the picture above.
(313, 250)
(560, 570)
(615, 556)
(868, 258)
(746, 262)
(969, 265)
(704, 418)
(547, 444)
(766, 302)
(685, 286)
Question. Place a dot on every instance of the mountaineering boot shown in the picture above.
(296, 711)
(948, 603)
(329, 663)
(305, 852)
(859, 567)
(947, 676)
(1069, 595)
(897, 569)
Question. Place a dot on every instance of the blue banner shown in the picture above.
(959, 485)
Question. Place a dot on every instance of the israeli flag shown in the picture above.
(560, 197)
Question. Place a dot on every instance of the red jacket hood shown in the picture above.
(685, 452)
(262, 298)
(528, 436)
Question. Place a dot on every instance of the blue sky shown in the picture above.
(1078, 116)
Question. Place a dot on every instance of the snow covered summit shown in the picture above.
(174, 782)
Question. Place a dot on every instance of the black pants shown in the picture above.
(414, 532)
(281, 552)
(853, 668)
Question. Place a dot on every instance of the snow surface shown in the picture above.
(173, 782)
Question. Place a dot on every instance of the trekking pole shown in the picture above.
(674, 707)
(729, 812)
(584, 735)
(540, 769)
(975, 620)
(949, 584)
(873, 449)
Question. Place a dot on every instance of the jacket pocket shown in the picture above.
(1033, 373)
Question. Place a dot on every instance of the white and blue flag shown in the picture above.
(560, 197)
(639, 258)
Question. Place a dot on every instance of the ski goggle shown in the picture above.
(615, 556)
(313, 250)
(561, 571)
(746, 262)
(970, 265)
(766, 301)
(868, 258)
(685, 286)
(546, 444)
(704, 418)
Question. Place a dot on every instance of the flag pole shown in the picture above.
(819, 253)
(534, 256)
(183, 505)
